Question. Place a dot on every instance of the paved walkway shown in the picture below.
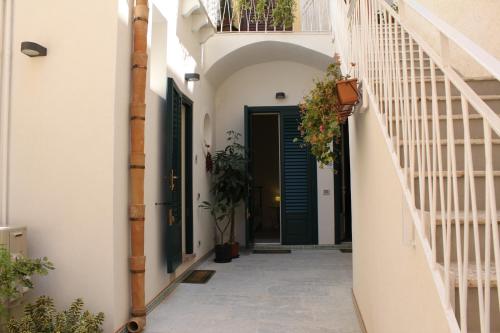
(306, 291)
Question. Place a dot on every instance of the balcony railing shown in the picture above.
(262, 16)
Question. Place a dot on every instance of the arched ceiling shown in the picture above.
(230, 53)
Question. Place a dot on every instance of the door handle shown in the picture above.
(171, 217)
(173, 178)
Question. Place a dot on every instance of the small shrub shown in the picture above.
(15, 276)
(42, 317)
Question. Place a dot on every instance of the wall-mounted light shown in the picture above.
(32, 49)
(192, 77)
(280, 95)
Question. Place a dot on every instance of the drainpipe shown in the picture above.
(137, 259)
(5, 95)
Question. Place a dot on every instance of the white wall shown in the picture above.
(256, 86)
(183, 54)
(69, 146)
(391, 279)
(61, 146)
(477, 20)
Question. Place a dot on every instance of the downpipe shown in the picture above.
(137, 259)
(5, 102)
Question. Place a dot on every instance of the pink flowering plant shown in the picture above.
(320, 124)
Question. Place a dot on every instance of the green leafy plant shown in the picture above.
(260, 9)
(395, 6)
(220, 213)
(284, 13)
(243, 4)
(16, 276)
(229, 182)
(42, 317)
(320, 125)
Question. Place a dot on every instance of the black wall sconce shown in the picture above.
(192, 77)
(280, 95)
(32, 49)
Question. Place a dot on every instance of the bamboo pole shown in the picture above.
(137, 259)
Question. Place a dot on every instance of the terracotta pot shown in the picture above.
(347, 92)
(343, 112)
(235, 250)
(222, 253)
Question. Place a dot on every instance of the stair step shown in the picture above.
(444, 142)
(455, 116)
(460, 174)
(481, 217)
(472, 280)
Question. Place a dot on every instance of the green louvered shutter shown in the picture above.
(299, 188)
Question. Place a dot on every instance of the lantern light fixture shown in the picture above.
(192, 77)
(32, 49)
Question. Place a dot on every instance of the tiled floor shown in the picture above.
(306, 291)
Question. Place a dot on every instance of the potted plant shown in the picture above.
(322, 112)
(230, 181)
(284, 13)
(219, 211)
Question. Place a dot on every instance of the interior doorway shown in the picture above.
(342, 185)
(282, 205)
(176, 204)
(265, 166)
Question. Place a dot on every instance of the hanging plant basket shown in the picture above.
(343, 112)
(324, 109)
(347, 92)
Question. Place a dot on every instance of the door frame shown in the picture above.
(342, 189)
(248, 112)
(187, 171)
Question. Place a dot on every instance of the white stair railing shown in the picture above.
(424, 106)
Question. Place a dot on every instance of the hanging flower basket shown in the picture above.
(324, 109)
(347, 92)
(343, 112)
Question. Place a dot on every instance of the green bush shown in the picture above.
(284, 13)
(42, 317)
(15, 276)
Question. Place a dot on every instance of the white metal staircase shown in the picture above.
(443, 132)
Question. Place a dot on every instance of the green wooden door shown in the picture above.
(298, 185)
(171, 177)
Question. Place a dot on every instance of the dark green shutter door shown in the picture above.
(299, 204)
(171, 178)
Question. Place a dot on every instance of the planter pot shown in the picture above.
(347, 91)
(343, 112)
(223, 253)
(235, 250)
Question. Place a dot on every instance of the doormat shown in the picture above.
(271, 251)
(199, 276)
(346, 250)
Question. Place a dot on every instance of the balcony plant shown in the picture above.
(229, 185)
(284, 13)
(322, 113)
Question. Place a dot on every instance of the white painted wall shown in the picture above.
(183, 54)
(256, 86)
(391, 280)
(61, 146)
(68, 180)
(478, 20)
